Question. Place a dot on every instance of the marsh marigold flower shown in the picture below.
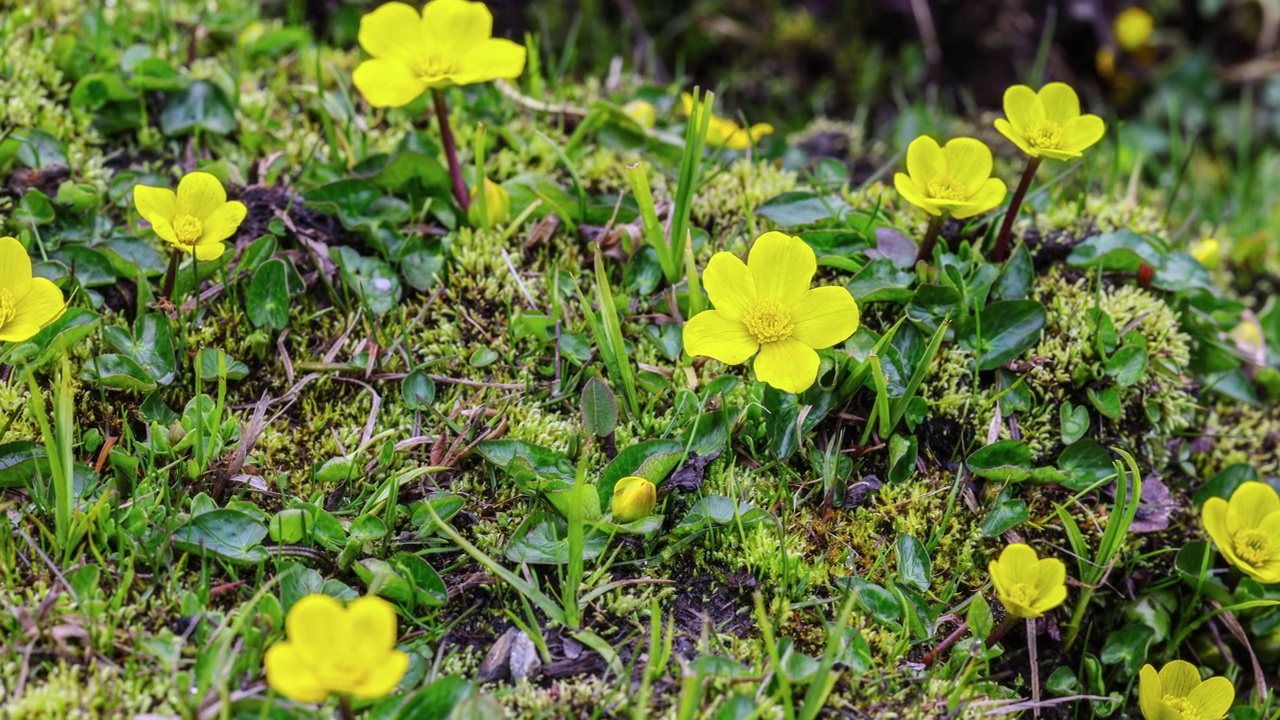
(725, 133)
(197, 219)
(497, 206)
(334, 649)
(765, 305)
(1028, 586)
(1246, 530)
(1133, 29)
(27, 303)
(954, 179)
(1048, 123)
(633, 499)
(450, 43)
(1208, 252)
(1178, 693)
(642, 112)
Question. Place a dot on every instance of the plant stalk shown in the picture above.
(451, 151)
(1005, 626)
(170, 276)
(930, 238)
(946, 644)
(1001, 248)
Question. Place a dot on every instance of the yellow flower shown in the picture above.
(955, 179)
(1246, 530)
(26, 303)
(197, 219)
(1177, 693)
(332, 649)
(1133, 29)
(1207, 251)
(450, 43)
(497, 206)
(766, 305)
(722, 132)
(642, 112)
(1048, 123)
(633, 499)
(1028, 586)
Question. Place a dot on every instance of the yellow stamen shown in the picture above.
(1254, 546)
(1023, 594)
(769, 321)
(944, 187)
(433, 67)
(1045, 135)
(187, 229)
(1182, 706)
(8, 306)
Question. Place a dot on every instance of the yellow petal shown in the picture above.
(729, 284)
(968, 161)
(1051, 574)
(199, 194)
(223, 222)
(1249, 505)
(453, 27)
(1213, 698)
(925, 161)
(988, 197)
(759, 130)
(1179, 678)
(914, 195)
(686, 103)
(1023, 107)
(317, 626)
(710, 334)
(1081, 132)
(783, 267)
(383, 677)
(1006, 129)
(490, 60)
(387, 83)
(392, 31)
(1050, 600)
(205, 252)
(1061, 103)
(1149, 692)
(155, 203)
(824, 317)
(162, 228)
(40, 305)
(15, 267)
(1019, 564)
(373, 628)
(788, 365)
(290, 674)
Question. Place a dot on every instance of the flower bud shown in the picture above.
(1207, 251)
(1133, 29)
(633, 499)
(642, 112)
(497, 206)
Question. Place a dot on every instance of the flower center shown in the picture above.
(435, 66)
(1253, 546)
(945, 187)
(1182, 706)
(8, 307)
(1045, 134)
(188, 229)
(1023, 594)
(769, 321)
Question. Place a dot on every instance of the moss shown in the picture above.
(96, 689)
(1234, 433)
(733, 195)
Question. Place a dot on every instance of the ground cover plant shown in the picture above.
(359, 361)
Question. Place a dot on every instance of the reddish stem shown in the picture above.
(1006, 228)
(946, 644)
(451, 151)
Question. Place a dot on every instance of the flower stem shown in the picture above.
(170, 275)
(451, 151)
(1005, 626)
(946, 644)
(930, 238)
(344, 708)
(1006, 228)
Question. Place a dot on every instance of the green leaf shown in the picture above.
(1014, 282)
(418, 389)
(1122, 250)
(1127, 365)
(75, 325)
(118, 371)
(267, 302)
(881, 281)
(914, 566)
(1085, 464)
(873, 599)
(207, 360)
(1107, 402)
(651, 460)
(202, 106)
(20, 462)
(545, 541)
(1009, 328)
(717, 510)
(150, 345)
(429, 589)
(902, 458)
(1005, 516)
(229, 534)
(1127, 648)
(931, 304)
(599, 407)
(90, 267)
(509, 454)
(1074, 420)
(792, 209)
(434, 702)
(371, 279)
(1005, 461)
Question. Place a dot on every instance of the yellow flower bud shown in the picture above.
(633, 499)
(1207, 252)
(642, 112)
(1133, 29)
(497, 206)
